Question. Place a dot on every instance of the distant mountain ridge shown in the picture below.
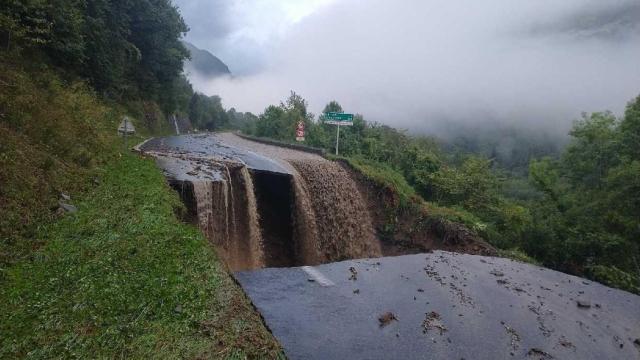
(204, 63)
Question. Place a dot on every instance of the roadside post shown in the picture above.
(125, 128)
(338, 119)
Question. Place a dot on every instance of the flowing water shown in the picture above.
(227, 215)
(175, 123)
(344, 229)
(325, 218)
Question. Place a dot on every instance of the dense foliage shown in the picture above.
(578, 212)
(588, 219)
(122, 276)
(124, 49)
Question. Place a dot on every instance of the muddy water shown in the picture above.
(342, 228)
(325, 219)
(227, 214)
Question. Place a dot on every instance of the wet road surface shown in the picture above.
(443, 306)
(180, 155)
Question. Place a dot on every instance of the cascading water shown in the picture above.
(343, 227)
(314, 215)
(228, 216)
(175, 123)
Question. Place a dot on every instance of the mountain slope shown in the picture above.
(204, 63)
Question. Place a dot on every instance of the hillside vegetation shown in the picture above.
(577, 212)
(125, 278)
(94, 262)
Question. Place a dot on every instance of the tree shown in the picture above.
(630, 130)
(593, 150)
(332, 106)
(125, 49)
(206, 112)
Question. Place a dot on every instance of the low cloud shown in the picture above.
(427, 65)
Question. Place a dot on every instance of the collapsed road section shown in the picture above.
(266, 206)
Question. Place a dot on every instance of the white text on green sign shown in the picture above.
(335, 118)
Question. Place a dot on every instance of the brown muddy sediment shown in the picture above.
(344, 227)
(227, 214)
(313, 216)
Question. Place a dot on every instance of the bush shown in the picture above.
(612, 276)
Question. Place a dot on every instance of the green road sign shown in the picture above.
(340, 119)
(339, 116)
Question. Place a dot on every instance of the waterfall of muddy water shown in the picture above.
(253, 222)
(307, 248)
(343, 227)
(228, 216)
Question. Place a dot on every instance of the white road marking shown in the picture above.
(317, 276)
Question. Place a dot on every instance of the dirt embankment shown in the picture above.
(410, 228)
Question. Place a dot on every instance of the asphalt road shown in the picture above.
(179, 155)
(443, 306)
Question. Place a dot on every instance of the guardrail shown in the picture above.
(299, 147)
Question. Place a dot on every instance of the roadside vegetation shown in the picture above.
(124, 278)
(113, 273)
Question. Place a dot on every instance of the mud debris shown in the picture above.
(539, 354)
(583, 304)
(566, 343)
(433, 321)
(386, 318)
(354, 273)
(514, 337)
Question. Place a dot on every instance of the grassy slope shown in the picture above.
(124, 278)
(409, 201)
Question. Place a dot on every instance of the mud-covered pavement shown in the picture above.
(182, 157)
(443, 306)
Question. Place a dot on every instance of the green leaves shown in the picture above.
(126, 49)
(588, 222)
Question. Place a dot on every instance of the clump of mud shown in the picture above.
(341, 226)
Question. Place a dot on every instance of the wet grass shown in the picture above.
(124, 278)
(384, 176)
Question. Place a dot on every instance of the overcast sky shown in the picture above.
(419, 64)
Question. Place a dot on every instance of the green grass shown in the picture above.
(124, 278)
(382, 175)
(518, 255)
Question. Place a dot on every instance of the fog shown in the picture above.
(429, 65)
